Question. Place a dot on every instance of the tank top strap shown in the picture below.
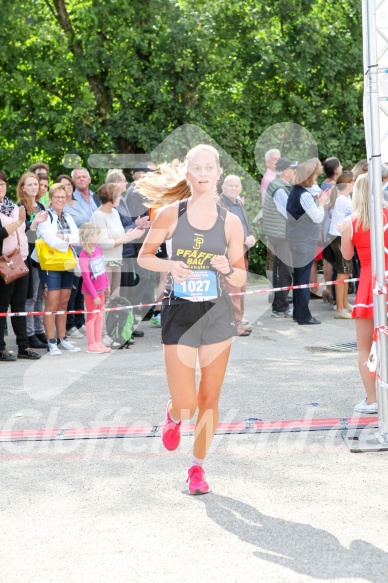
(182, 207)
(221, 212)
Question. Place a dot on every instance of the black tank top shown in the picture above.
(196, 248)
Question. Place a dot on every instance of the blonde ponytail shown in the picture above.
(169, 184)
(360, 202)
(165, 186)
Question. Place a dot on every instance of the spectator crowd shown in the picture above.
(95, 238)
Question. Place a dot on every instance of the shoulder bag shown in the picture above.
(12, 266)
(51, 259)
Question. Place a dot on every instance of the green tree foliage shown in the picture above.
(107, 76)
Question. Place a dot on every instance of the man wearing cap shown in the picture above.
(274, 225)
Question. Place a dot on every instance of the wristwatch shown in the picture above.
(230, 272)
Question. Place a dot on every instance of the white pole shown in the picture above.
(376, 205)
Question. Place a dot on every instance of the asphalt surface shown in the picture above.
(286, 507)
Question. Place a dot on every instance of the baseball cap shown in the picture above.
(284, 163)
(142, 167)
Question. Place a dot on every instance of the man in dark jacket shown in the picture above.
(231, 189)
(274, 225)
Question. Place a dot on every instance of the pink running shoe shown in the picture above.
(103, 347)
(94, 348)
(171, 432)
(197, 482)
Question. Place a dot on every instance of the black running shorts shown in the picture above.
(198, 323)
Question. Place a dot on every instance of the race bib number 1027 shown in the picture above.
(199, 287)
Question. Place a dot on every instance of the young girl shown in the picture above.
(94, 283)
(197, 313)
(341, 209)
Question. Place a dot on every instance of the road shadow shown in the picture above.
(300, 547)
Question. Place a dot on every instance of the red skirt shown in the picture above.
(363, 306)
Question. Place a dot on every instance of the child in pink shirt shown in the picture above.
(94, 283)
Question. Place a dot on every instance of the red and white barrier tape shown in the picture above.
(257, 291)
(238, 427)
(378, 288)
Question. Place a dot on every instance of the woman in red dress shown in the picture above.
(355, 232)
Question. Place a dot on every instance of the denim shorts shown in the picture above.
(54, 280)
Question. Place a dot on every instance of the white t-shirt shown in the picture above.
(342, 209)
(111, 229)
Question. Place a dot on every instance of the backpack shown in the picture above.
(119, 324)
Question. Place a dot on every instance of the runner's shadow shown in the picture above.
(303, 548)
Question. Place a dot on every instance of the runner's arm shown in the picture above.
(347, 246)
(235, 239)
(161, 229)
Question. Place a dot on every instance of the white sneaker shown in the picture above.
(244, 322)
(74, 333)
(82, 330)
(64, 343)
(53, 349)
(277, 315)
(107, 341)
(364, 408)
(343, 315)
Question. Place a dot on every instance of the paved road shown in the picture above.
(283, 507)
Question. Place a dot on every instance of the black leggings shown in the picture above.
(14, 295)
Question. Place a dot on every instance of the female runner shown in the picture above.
(197, 314)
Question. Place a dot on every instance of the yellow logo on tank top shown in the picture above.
(196, 259)
(197, 243)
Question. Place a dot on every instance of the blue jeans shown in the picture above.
(35, 304)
